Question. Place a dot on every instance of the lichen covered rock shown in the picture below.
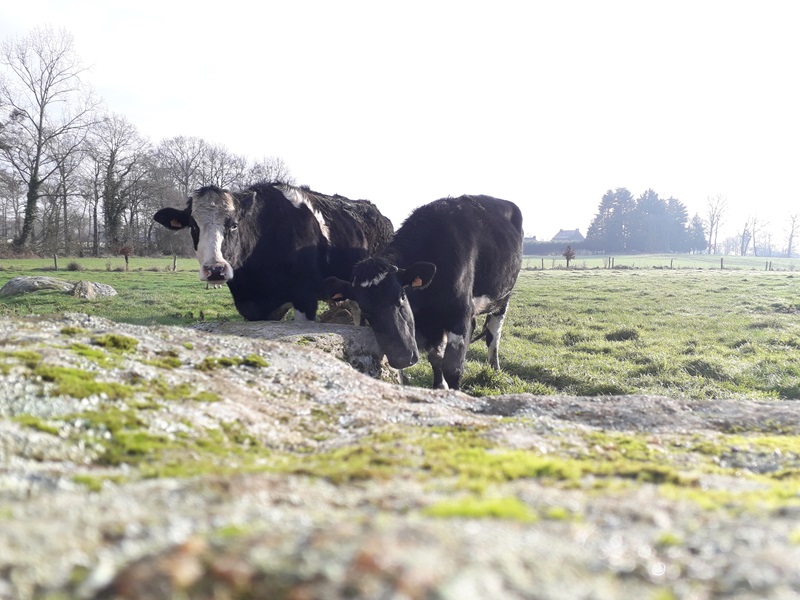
(170, 462)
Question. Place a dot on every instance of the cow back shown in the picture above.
(475, 243)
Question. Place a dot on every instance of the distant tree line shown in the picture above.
(646, 224)
(76, 179)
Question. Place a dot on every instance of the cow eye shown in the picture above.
(234, 226)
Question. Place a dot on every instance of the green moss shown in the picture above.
(188, 345)
(93, 483)
(254, 360)
(123, 438)
(355, 463)
(669, 539)
(231, 531)
(36, 423)
(132, 447)
(211, 363)
(116, 342)
(770, 496)
(29, 358)
(73, 330)
(80, 384)
(167, 359)
(645, 473)
(183, 391)
(615, 446)
(205, 396)
(559, 513)
(164, 362)
(96, 355)
(472, 507)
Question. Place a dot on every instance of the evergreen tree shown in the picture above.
(649, 224)
(609, 230)
(678, 239)
(697, 235)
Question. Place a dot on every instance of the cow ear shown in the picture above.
(172, 218)
(246, 201)
(337, 289)
(418, 276)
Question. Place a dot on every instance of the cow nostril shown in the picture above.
(215, 272)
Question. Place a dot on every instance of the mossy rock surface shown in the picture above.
(169, 462)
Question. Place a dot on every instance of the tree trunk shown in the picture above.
(30, 214)
(66, 229)
(95, 231)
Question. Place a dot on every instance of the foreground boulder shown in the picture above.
(169, 462)
(350, 343)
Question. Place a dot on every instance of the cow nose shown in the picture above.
(215, 272)
(404, 360)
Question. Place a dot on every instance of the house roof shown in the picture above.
(568, 235)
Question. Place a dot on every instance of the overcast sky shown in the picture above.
(548, 104)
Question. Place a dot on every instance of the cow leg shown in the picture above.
(494, 326)
(305, 308)
(436, 358)
(454, 356)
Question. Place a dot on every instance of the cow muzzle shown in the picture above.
(402, 359)
(216, 273)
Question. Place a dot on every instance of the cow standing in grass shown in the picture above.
(459, 258)
(274, 244)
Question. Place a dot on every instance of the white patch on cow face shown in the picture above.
(299, 199)
(374, 281)
(210, 212)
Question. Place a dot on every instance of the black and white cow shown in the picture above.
(274, 244)
(460, 258)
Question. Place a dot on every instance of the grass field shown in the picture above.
(665, 261)
(681, 332)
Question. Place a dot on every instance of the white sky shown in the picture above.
(548, 104)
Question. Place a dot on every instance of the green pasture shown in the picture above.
(149, 292)
(663, 261)
(682, 332)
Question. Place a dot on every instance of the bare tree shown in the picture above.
(755, 227)
(220, 167)
(45, 101)
(794, 226)
(744, 238)
(182, 157)
(117, 148)
(65, 189)
(715, 213)
(11, 195)
(269, 168)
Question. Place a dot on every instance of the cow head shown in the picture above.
(380, 287)
(212, 214)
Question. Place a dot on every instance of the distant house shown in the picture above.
(568, 235)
